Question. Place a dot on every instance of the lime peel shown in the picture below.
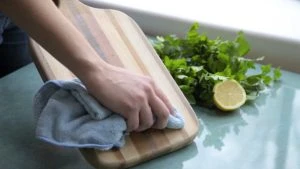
(229, 95)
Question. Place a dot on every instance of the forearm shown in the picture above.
(133, 96)
(47, 25)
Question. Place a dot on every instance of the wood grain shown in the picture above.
(120, 41)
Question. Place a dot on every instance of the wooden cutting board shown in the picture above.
(120, 41)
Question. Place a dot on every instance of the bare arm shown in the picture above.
(47, 25)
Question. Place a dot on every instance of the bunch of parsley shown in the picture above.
(198, 63)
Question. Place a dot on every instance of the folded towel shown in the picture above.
(66, 115)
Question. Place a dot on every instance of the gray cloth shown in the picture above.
(66, 115)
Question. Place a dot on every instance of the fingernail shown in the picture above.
(174, 110)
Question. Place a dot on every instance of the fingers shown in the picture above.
(146, 118)
(132, 121)
(160, 107)
(160, 111)
(153, 110)
(164, 99)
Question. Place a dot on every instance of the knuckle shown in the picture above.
(129, 107)
(148, 124)
(163, 116)
(159, 125)
(125, 114)
(134, 126)
(147, 88)
(140, 97)
(149, 81)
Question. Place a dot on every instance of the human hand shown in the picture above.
(135, 97)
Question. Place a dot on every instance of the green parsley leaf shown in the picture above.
(242, 45)
(276, 74)
(197, 63)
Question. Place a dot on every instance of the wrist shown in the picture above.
(92, 71)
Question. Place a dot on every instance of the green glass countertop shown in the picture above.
(264, 134)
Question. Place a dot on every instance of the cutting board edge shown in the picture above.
(90, 155)
(35, 51)
(48, 74)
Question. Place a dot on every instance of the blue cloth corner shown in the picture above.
(66, 115)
